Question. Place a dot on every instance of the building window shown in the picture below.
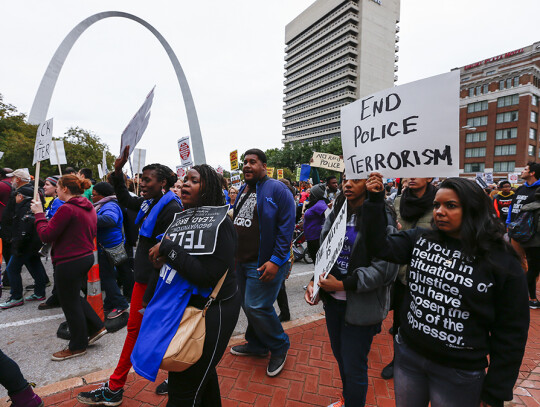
(534, 100)
(476, 137)
(507, 117)
(485, 88)
(474, 167)
(508, 100)
(532, 150)
(490, 72)
(477, 121)
(534, 117)
(475, 152)
(516, 81)
(509, 149)
(477, 107)
(504, 166)
(532, 134)
(508, 83)
(471, 92)
(503, 134)
(501, 85)
(478, 90)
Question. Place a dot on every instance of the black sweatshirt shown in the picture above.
(458, 310)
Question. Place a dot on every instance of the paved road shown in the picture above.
(28, 335)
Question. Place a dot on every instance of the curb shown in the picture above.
(103, 375)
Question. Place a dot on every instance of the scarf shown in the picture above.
(412, 208)
(103, 201)
(149, 222)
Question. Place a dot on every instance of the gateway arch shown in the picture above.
(43, 97)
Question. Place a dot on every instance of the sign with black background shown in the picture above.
(196, 229)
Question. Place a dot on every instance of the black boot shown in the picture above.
(388, 371)
(26, 398)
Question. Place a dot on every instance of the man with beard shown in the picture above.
(264, 215)
(414, 208)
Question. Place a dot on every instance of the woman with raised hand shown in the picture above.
(72, 231)
(467, 300)
(156, 208)
(356, 293)
(187, 280)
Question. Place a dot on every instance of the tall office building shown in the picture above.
(336, 52)
(499, 107)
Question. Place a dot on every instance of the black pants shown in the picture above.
(282, 301)
(533, 263)
(313, 248)
(80, 316)
(198, 386)
(10, 375)
(398, 296)
(6, 254)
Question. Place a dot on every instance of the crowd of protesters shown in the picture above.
(448, 257)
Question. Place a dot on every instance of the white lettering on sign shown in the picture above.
(401, 132)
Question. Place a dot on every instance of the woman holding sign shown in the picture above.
(156, 209)
(356, 293)
(467, 299)
(194, 256)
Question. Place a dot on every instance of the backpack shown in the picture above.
(523, 228)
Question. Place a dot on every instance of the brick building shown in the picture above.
(499, 98)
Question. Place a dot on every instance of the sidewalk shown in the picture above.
(310, 377)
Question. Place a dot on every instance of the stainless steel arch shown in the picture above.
(40, 107)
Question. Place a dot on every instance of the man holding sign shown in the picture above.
(355, 289)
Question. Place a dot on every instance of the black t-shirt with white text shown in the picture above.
(246, 222)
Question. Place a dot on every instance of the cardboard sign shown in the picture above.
(184, 148)
(410, 130)
(43, 141)
(330, 248)
(219, 170)
(234, 160)
(279, 174)
(270, 172)
(134, 131)
(196, 229)
(513, 177)
(139, 160)
(328, 161)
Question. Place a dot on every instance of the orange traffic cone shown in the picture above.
(94, 296)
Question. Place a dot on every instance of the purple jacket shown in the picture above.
(314, 220)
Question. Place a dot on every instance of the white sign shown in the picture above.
(100, 171)
(410, 130)
(488, 177)
(513, 177)
(43, 141)
(1, 154)
(181, 171)
(330, 248)
(184, 148)
(104, 163)
(329, 161)
(58, 153)
(219, 169)
(139, 159)
(134, 131)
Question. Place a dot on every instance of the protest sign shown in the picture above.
(58, 153)
(139, 160)
(100, 171)
(480, 180)
(43, 141)
(134, 131)
(304, 172)
(328, 161)
(195, 230)
(279, 174)
(104, 163)
(235, 179)
(219, 170)
(488, 177)
(513, 177)
(1, 154)
(234, 160)
(298, 173)
(270, 172)
(181, 171)
(410, 130)
(184, 148)
(330, 248)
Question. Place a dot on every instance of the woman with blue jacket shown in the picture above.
(109, 234)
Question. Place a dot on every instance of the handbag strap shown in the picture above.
(215, 292)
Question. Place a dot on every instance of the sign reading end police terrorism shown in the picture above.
(410, 130)
(196, 229)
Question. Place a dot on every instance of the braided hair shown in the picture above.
(163, 173)
(211, 192)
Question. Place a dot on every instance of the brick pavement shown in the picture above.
(310, 377)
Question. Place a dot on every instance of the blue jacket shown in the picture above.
(109, 225)
(276, 209)
(523, 196)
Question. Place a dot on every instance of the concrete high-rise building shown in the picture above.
(337, 51)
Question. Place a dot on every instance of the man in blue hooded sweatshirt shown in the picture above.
(525, 194)
(264, 215)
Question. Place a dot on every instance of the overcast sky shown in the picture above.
(232, 54)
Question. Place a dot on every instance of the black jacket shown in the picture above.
(25, 239)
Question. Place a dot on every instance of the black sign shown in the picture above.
(196, 229)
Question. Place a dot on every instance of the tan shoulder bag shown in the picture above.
(186, 346)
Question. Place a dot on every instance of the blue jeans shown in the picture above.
(36, 270)
(113, 296)
(418, 381)
(350, 345)
(264, 331)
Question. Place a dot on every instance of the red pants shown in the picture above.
(119, 377)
